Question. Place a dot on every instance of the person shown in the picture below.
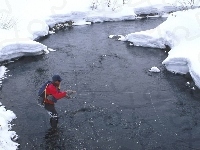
(53, 93)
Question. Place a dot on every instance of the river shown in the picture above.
(119, 103)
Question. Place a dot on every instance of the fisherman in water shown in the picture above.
(52, 94)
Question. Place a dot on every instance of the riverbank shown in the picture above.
(23, 28)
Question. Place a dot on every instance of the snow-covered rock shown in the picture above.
(154, 69)
(14, 49)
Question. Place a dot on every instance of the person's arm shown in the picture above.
(70, 93)
(57, 94)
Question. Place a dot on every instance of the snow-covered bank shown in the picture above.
(28, 20)
(6, 116)
(158, 9)
(3, 71)
(18, 48)
(184, 58)
(181, 32)
(7, 137)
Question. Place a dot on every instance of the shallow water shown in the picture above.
(119, 103)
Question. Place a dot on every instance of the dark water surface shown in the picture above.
(119, 105)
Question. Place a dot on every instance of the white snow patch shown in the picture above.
(3, 72)
(81, 22)
(14, 48)
(7, 136)
(121, 38)
(131, 44)
(111, 36)
(51, 50)
(154, 69)
(51, 32)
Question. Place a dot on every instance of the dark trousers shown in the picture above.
(53, 113)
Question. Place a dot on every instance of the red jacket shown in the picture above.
(54, 91)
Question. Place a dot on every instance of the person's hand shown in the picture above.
(68, 97)
(70, 92)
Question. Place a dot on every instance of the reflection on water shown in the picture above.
(58, 139)
(54, 139)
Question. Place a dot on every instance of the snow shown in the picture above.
(117, 37)
(6, 116)
(22, 22)
(3, 72)
(154, 69)
(51, 50)
(18, 48)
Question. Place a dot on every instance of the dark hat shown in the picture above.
(56, 78)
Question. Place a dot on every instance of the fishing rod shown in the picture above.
(82, 93)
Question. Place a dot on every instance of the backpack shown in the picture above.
(42, 93)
